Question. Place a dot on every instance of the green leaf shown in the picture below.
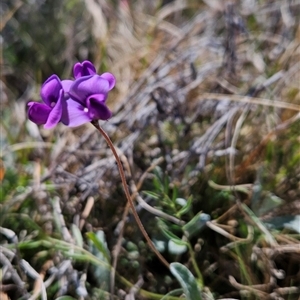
(196, 224)
(157, 180)
(174, 193)
(186, 280)
(180, 201)
(166, 185)
(98, 246)
(152, 195)
(185, 208)
(171, 236)
(159, 245)
(175, 248)
(268, 236)
(99, 242)
(288, 222)
(172, 293)
(268, 203)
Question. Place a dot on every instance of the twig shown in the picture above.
(87, 209)
(8, 16)
(248, 239)
(35, 275)
(244, 188)
(215, 227)
(14, 275)
(61, 221)
(246, 288)
(135, 289)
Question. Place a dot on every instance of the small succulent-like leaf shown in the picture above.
(289, 222)
(196, 224)
(186, 207)
(171, 236)
(186, 280)
(269, 202)
(159, 245)
(175, 248)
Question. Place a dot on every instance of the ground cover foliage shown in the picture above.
(206, 122)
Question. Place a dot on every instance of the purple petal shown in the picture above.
(75, 114)
(66, 84)
(50, 90)
(97, 108)
(38, 112)
(56, 112)
(85, 68)
(110, 78)
(85, 86)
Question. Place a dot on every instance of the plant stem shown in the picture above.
(127, 193)
(195, 265)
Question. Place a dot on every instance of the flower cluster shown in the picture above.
(73, 102)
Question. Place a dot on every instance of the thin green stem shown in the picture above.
(127, 193)
(195, 265)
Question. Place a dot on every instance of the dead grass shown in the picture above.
(210, 90)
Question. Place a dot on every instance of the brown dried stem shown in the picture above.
(127, 193)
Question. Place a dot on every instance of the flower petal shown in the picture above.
(38, 112)
(56, 112)
(110, 78)
(85, 68)
(97, 108)
(50, 90)
(75, 114)
(66, 84)
(85, 86)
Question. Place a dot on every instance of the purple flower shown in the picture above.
(52, 93)
(88, 95)
(73, 102)
(84, 69)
